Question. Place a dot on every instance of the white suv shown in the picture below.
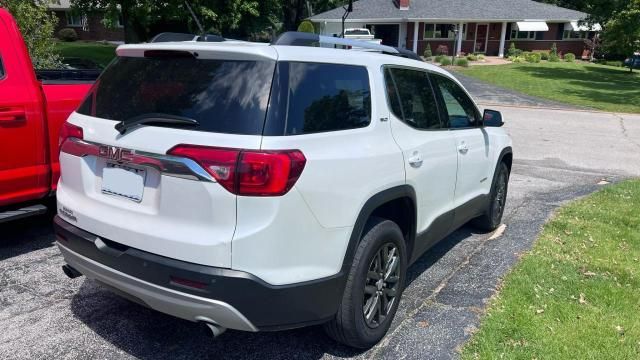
(265, 187)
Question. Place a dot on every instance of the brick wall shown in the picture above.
(97, 31)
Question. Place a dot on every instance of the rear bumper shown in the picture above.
(229, 298)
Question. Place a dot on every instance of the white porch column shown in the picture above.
(402, 35)
(415, 36)
(503, 36)
(459, 39)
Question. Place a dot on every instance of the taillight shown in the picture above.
(69, 131)
(247, 172)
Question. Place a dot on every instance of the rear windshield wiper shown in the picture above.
(157, 118)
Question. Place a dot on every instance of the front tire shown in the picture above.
(374, 287)
(492, 218)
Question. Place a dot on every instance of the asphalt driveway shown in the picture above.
(559, 155)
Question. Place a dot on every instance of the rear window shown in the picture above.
(224, 96)
(235, 97)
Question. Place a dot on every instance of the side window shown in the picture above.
(460, 109)
(411, 98)
(1, 69)
(326, 97)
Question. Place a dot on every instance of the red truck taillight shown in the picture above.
(247, 172)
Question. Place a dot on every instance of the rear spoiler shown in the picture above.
(295, 38)
(171, 36)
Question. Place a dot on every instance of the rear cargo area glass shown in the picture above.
(224, 96)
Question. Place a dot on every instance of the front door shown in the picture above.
(473, 148)
(482, 32)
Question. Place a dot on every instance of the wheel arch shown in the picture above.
(383, 204)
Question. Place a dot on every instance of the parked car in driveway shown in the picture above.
(33, 105)
(266, 187)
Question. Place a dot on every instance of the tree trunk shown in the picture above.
(132, 28)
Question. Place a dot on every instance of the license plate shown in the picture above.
(123, 181)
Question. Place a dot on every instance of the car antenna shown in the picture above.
(347, 11)
(203, 36)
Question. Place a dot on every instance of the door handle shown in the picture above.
(12, 114)
(463, 148)
(415, 160)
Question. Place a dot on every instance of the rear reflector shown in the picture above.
(247, 172)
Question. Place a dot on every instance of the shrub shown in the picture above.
(67, 34)
(554, 50)
(554, 58)
(472, 57)
(37, 25)
(462, 62)
(439, 58)
(513, 51)
(306, 26)
(427, 52)
(533, 57)
(445, 61)
(569, 57)
(442, 50)
(544, 56)
(480, 57)
(517, 59)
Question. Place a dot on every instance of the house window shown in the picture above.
(74, 19)
(442, 31)
(527, 35)
(569, 34)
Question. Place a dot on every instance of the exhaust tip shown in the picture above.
(71, 272)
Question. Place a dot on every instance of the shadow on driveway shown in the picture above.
(147, 334)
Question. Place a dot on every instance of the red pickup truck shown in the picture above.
(33, 106)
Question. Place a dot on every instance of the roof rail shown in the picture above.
(295, 38)
(171, 36)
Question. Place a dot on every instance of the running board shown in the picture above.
(32, 210)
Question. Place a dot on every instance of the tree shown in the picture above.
(37, 27)
(216, 16)
(623, 30)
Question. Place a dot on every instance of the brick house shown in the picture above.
(88, 27)
(488, 26)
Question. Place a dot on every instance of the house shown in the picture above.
(487, 26)
(88, 27)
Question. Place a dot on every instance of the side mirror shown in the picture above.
(492, 118)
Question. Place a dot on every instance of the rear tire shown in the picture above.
(374, 287)
(492, 218)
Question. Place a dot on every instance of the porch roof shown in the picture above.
(457, 10)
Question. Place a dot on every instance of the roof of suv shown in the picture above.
(241, 50)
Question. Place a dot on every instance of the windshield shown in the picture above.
(224, 96)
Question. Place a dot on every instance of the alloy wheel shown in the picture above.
(381, 286)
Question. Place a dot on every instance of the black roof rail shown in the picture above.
(171, 36)
(295, 38)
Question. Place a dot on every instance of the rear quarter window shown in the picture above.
(2, 73)
(313, 97)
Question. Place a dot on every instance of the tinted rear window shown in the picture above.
(224, 96)
(313, 97)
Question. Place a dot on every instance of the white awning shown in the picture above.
(573, 26)
(532, 26)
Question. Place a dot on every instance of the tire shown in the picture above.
(350, 325)
(492, 218)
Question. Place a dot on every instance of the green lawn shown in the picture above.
(576, 295)
(97, 52)
(596, 86)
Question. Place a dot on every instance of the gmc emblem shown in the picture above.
(115, 153)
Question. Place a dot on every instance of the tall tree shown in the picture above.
(218, 16)
(37, 27)
(623, 30)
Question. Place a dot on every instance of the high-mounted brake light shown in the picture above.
(68, 130)
(247, 172)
